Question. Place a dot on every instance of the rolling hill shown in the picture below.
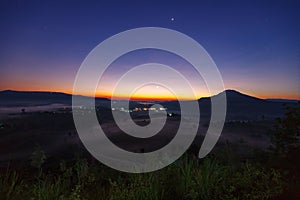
(10, 98)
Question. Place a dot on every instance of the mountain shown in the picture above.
(239, 107)
(244, 107)
(24, 98)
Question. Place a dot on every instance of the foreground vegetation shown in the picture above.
(224, 174)
(188, 178)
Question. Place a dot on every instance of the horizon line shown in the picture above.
(147, 98)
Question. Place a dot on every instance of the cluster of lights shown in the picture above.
(136, 109)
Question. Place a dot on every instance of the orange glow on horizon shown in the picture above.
(137, 97)
(261, 95)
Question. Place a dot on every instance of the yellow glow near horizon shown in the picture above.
(151, 92)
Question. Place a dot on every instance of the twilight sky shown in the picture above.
(256, 45)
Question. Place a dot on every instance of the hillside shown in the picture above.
(244, 107)
(10, 98)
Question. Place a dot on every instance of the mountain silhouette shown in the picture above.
(25, 98)
(244, 107)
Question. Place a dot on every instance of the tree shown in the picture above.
(287, 132)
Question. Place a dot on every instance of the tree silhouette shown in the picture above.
(287, 132)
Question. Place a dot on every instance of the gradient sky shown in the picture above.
(255, 44)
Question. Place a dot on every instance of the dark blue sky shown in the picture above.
(255, 44)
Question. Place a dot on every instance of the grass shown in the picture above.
(11, 185)
(187, 178)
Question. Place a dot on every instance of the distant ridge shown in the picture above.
(31, 94)
(34, 98)
(244, 107)
(283, 100)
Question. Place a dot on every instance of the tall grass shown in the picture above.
(187, 178)
(11, 185)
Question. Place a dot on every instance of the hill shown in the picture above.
(9, 98)
(244, 107)
(240, 107)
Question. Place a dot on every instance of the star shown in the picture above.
(172, 19)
